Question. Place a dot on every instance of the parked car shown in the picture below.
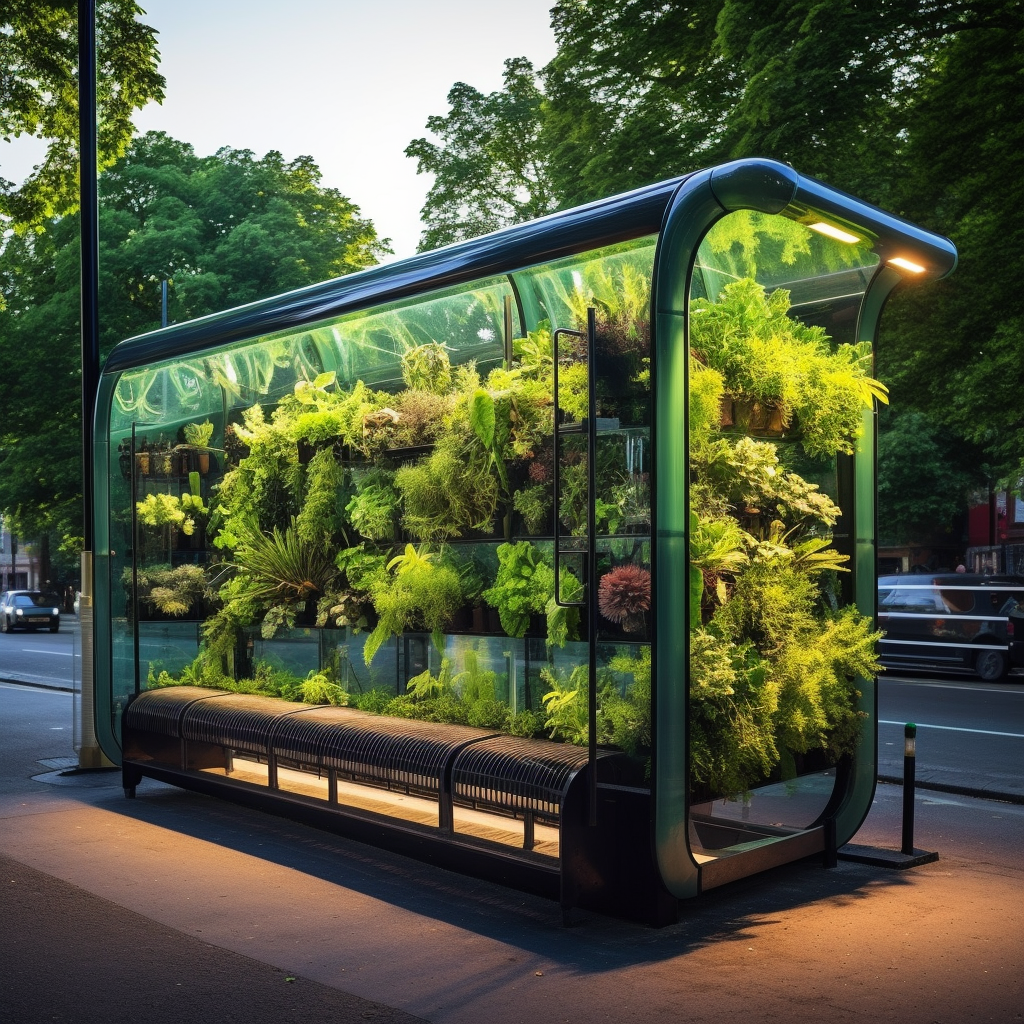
(29, 609)
(953, 621)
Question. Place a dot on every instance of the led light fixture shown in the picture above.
(914, 268)
(833, 232)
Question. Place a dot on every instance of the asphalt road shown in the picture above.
(43, 657)
(970, 734)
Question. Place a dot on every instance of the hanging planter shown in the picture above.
(760, 419)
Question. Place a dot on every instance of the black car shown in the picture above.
(950, 620)
(29, 609)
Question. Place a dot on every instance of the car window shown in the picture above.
(911, 599)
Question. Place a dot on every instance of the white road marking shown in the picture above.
(956, 728)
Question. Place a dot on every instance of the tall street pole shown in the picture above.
(89, 753)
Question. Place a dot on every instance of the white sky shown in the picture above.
(348, 82)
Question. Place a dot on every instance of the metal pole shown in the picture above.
(591, 557)
(89, 207)
(89, 754)
(909, 771)
(163, 302)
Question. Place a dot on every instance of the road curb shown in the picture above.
(37, 685)
(942, 787)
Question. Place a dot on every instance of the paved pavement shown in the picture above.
(179, 907)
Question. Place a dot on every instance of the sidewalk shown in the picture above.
(178, 907)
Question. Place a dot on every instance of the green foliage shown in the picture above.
(319, 688)
(427, 368)
(451, 491)
(374, 701)
(374, 505)
(280, 573)
(488, 171)
(627, 717)
(566, 705)
(534, 504)
(39, 55)
(323, 512)
(765, 356)
(170, 591)
(415, 593)
(524, 584)
(198, 434)
(733, 711)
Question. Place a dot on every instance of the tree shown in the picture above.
(39, 94)
(924, 478)
(953, 349)
(636, 93)
(489, 168)
(225, 229)
(915, 105)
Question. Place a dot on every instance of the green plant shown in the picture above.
(198, 434)
(161, 509)
(627, 717)
(427, 368)
(319, 688)
(374, 701)
(718, 549)
(322, 516)
(534, 505)
(768, 357)
(170, 591)
(374, 506)
(734, 704)
(450, 492)
(524, 584)
(566, 705)
(414, 593)
(280, 573)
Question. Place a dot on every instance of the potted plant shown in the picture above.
(198, 436)
(170, 592)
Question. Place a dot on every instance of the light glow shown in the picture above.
(833, 232)
(914, 268)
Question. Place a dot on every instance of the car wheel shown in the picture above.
(5, 626)
(53, 629)
(990, 664)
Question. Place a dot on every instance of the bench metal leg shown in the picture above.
(528, 831)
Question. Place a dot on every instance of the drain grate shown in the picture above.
(58, 763)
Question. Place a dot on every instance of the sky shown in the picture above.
(348, 82)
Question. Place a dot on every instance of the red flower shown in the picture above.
(624, 596)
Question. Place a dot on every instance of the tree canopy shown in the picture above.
(39, 94)
(488, 169)
(223, 229)
(915, 105)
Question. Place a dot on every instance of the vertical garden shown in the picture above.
(407, 509)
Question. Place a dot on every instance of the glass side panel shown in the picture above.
(364, 511)
(776, 644)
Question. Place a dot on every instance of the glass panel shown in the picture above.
(775, 411)
(362, 512)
